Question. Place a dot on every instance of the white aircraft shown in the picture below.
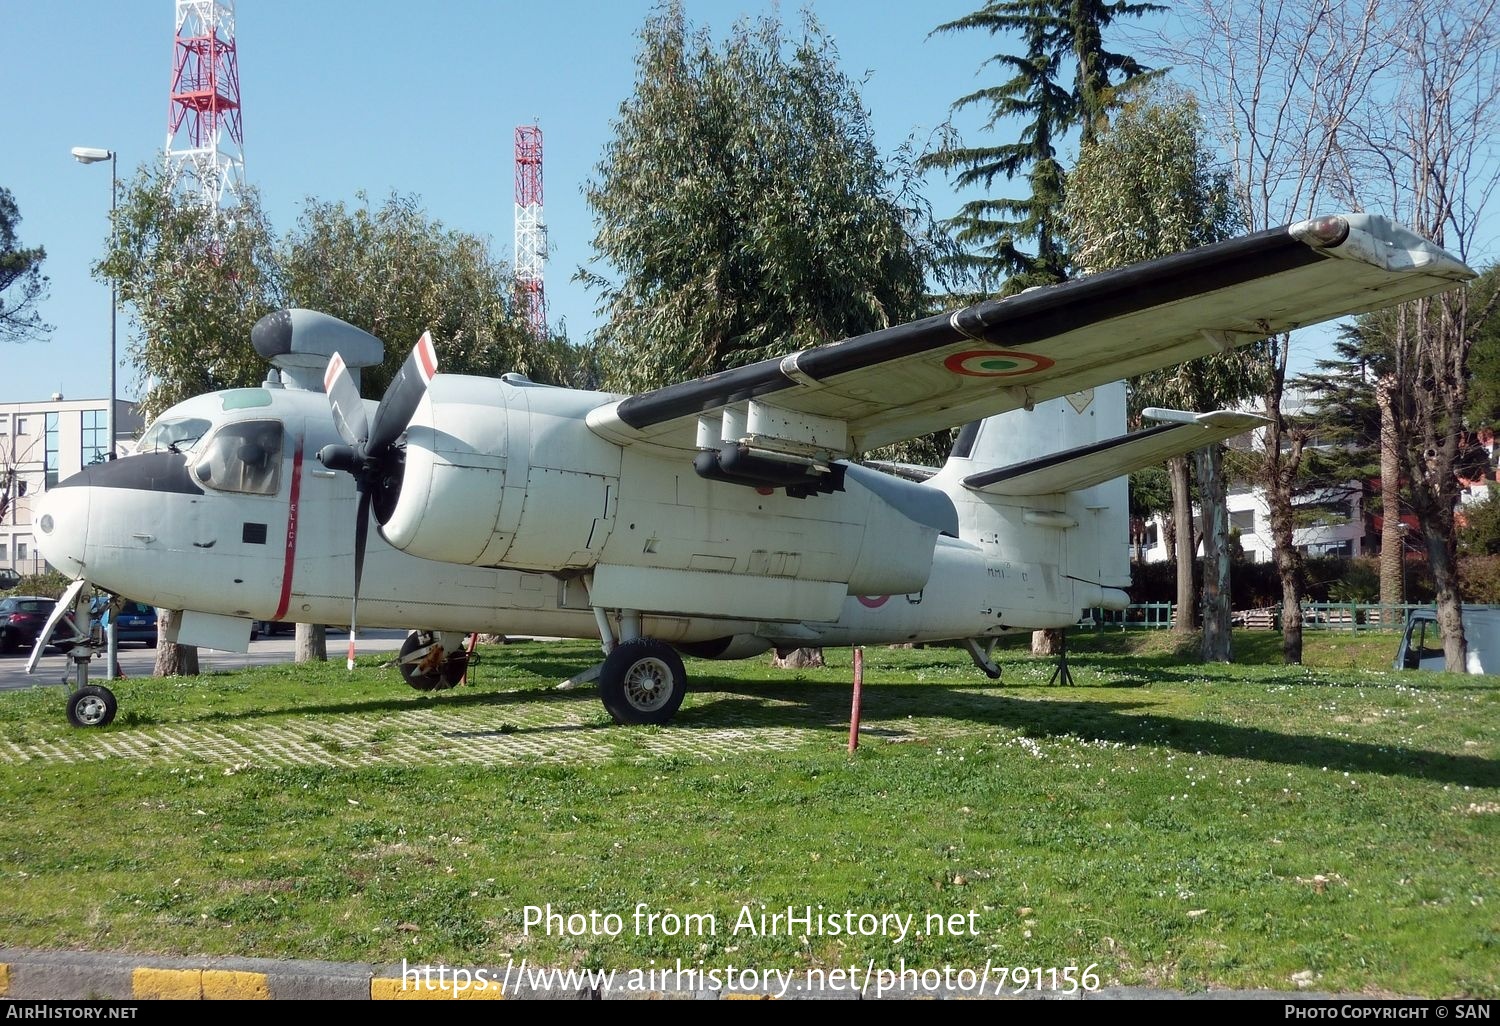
(719, 517)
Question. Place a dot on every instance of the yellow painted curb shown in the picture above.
(390, 988)
(4, 979)
(167, 984)
(235, 985)
(199, 985)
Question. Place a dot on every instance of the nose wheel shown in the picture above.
(92, 705)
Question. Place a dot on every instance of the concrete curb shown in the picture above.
(79, 976)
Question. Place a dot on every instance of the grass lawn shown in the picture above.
(1335, 825)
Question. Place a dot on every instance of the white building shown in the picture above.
(42, 443)
(1336, 526)
(1333, 519)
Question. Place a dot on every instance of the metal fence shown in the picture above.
(1346, 616)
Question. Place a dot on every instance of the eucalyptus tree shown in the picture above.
(1145, 187)
(194, 279)
(1287, 87)
(1431, 143)
(743, 208)
(397, 272)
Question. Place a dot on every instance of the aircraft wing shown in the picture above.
(1004, 354)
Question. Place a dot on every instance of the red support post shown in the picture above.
(859, 685)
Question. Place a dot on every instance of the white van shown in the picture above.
(1422, 643)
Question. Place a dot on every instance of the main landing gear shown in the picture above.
(641, 680)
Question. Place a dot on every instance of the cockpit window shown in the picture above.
(179, 434)
(242, 457)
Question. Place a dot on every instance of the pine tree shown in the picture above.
(1019, 241)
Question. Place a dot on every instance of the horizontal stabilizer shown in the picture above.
(1089, 465)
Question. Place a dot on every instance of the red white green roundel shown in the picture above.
(996, 363)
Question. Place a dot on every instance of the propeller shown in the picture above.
(370, 451)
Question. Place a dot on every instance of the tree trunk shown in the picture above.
(173, 660)
(1279, 478)
(799, 659)
(1186, 546)
(1213, 494)
(1392, 533)
(1442, 555)
(1048, 642)
(312, 643)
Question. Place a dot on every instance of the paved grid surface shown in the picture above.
(515, 729)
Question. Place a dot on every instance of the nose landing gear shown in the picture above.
(89, 705)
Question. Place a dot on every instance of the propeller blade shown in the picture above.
(65, 605)
(361, 535)
(401, 399)
(348, 408)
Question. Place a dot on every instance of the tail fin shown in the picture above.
(1048, 485)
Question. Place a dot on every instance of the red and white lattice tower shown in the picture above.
(205, 144)
(531, 233)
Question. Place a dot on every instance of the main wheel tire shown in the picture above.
(92, 706)
(642, 681)
(449, 674)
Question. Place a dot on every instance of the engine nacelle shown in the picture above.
(505, 473)
(508, 474)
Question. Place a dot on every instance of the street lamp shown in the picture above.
(93, 155)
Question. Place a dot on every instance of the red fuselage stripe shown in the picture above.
(291, 535)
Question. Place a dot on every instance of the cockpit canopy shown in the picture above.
(173, 434)
(243, 456)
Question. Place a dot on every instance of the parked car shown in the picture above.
(136, 622)
(22, 618)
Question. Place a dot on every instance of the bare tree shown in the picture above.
(1284, 80)
(1392, 530)
(1431, 142)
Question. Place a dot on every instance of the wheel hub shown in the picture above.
(91, 710)
(646, 684)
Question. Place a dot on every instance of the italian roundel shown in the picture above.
(995, 363)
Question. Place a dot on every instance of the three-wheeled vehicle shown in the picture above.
(1422, 641)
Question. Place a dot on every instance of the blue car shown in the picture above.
(136, 623)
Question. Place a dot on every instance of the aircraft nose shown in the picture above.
(62, 527)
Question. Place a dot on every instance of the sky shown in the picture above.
(348, 96)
